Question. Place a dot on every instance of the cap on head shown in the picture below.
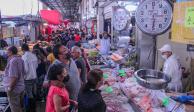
(166, 48)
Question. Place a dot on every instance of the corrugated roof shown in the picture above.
(68, 8)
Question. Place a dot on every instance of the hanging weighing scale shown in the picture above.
(120, 20)
(154, 17)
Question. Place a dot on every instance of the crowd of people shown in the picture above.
(59, 74)
(68, 37)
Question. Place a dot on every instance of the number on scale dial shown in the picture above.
(154, 16)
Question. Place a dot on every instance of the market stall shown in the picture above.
(4, 104)
(121, 90)
(122, 93)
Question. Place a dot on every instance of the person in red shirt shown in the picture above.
(58, 96)
(48, 39)
(77, 37)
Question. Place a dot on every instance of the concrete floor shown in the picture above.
(40, 107)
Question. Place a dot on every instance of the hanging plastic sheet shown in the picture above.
(51, 16)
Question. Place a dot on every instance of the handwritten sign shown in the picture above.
(182, 32)
(189, 17)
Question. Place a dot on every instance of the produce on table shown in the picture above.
(115, 57)
(115, 100)
(112, 93)
(93, 53)
(116, 83)
(141, 96)
(145, 103)
(95, 61)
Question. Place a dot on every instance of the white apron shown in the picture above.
(173, 69)
(104, 46)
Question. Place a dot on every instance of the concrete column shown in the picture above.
(100, 22)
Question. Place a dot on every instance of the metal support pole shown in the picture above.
(1, 31)
(154, 52)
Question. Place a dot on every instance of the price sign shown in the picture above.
(189, 17)
(105, 76)
(109, 89)
(121, 71)
(165, 101)
(122, 75)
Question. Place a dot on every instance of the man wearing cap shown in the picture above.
(172, 68)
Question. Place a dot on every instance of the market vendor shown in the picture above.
(104, 44)
(172, 68)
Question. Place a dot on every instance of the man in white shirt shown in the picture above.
(30, 66)
(172, 68)
(105, 44)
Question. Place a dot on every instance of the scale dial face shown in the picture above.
(89, 24)
(120, 19)
(154, 17)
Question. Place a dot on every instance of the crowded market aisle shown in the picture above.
(115, 56)
(119, 87)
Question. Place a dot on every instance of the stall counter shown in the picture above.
(188, 108)
(139, 98)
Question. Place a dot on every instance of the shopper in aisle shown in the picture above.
(94, 35)
(38, 47)
(172, 68)
(89, 98)
(89, 37)
(77, 37)
(83, 36)
(84, 55)
(71, 43)
(58, 97)
(50, 56)
(48, 38)
(63, 57)
(3, 44)
(81, 65)
(65, 39)
(40, 71)
(13, 80)
(30, 66)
